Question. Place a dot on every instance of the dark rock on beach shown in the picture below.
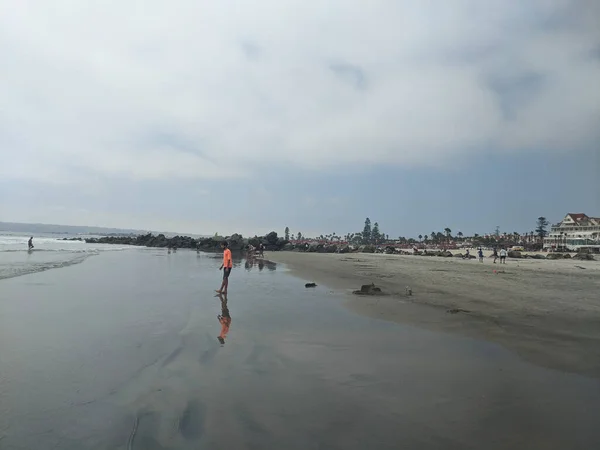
(537, 256)
(584, 257)
(458, 310)
(314, 247)
(368, 289)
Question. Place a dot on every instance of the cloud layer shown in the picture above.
(203, 89)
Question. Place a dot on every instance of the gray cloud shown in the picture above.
(515, 91)
(197, 89)
(351, 74)
(250, 49)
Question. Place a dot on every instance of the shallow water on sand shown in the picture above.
(121, 352)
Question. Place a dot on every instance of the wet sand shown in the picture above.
(120, 352)
(548, 312)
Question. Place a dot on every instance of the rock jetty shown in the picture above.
(271, 241)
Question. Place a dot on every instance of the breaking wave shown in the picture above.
(11, 271)
(16, 260)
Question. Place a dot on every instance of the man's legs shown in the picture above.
(225, 283)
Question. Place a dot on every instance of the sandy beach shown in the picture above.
(121, 351)
(548, 312)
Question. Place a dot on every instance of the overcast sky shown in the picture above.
(230, 115)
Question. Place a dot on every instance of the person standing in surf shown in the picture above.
(226, 267)
(30, 243)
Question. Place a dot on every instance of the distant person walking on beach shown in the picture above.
(503, 256)
(495, 254)
(30, 243)
(467, 255)
(480, 254)
(226, 267)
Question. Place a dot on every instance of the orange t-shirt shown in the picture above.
(227, 259)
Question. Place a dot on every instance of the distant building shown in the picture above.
(574, 232)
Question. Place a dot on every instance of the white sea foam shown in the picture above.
(48, 253)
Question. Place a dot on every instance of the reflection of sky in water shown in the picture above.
(128, 341)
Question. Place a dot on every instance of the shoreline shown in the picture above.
(547, 312)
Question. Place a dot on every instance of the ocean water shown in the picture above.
(49, 252)
(121, 351)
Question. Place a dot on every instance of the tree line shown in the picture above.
(371, 234)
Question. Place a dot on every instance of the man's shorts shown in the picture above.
(226, 272)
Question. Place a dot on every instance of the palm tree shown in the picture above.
(420, 238)
(433, 235)
(425, 237)
(448, 231)
(460, 235)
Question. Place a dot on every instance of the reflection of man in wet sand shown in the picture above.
(224, 319)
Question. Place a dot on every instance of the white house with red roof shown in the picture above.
(575, 231)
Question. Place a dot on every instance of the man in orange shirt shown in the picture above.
(226, 267)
